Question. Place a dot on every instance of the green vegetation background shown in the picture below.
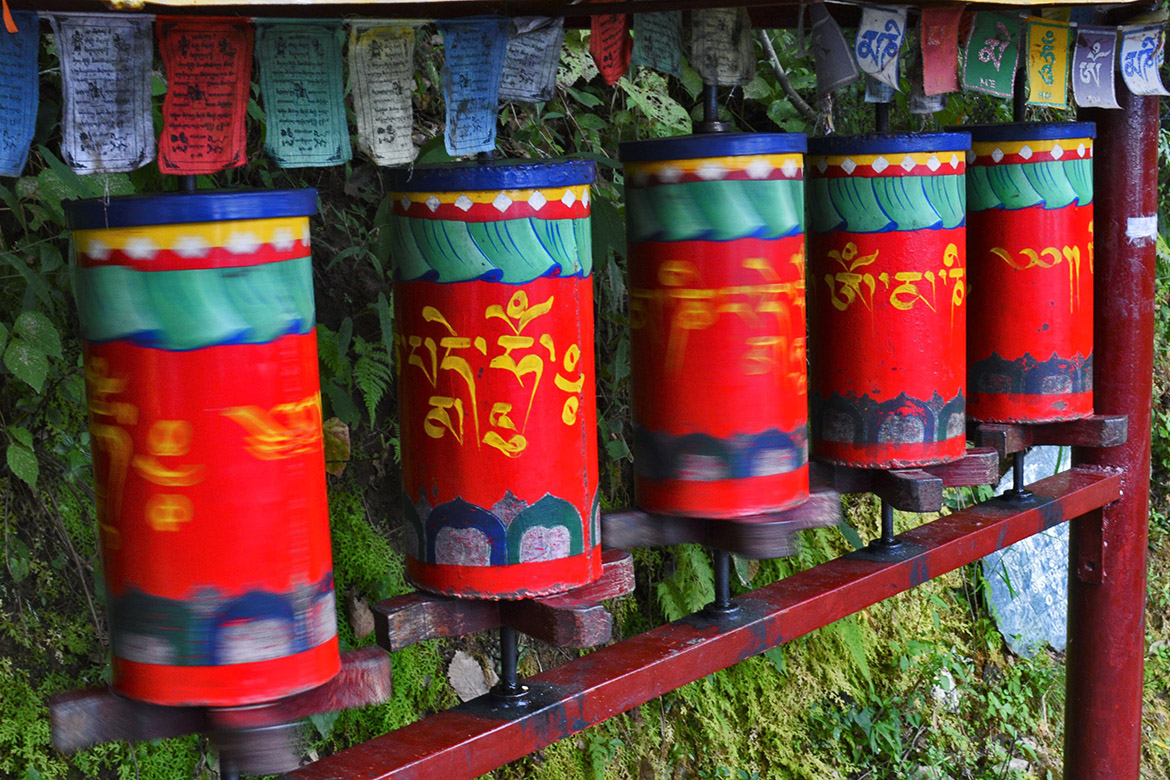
(920, 686)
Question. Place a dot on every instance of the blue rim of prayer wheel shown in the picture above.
(697, 147)
(496, 175)
(878, 143)
(1032, 131)
(172, 208)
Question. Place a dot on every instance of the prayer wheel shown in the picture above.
(199, 339)
(497, 404)
(715, 225)
(887, 295)
(1030, 243)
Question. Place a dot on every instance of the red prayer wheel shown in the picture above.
(887, 295)
(715, 225)
(1030, 213)
(199, 338)
(497, 404)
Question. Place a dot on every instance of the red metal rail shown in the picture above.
(469, 740)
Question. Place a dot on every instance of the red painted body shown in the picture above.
(496, 388)
(717, 327)
(1106, 620)
(887, 316)
(209, 472)
(468, 741)
(1030, 328)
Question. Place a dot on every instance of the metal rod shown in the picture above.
(509, 659)
(722, 562)
(710, 103)
(467, 742)
(187, 184)
(1018, 473)
(888, 524)
(881, 117)
(1020, 95)
(1106, 619)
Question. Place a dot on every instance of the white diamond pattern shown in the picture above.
(790, 168)
(1081, 150)
(282, 238)
(141, 248)
(997, 154)
(759, 168)
(1057, 151)
(502, 202)
(880, 164)
(537, 200)
(908, 163)
(243, 243)
(432, 203)
(1025, 152)
(670, 174)
(848, 165)
(97, 250)
(822, 164)
(711, 171)
(192, 247)
(933, 163)
(404, 201)
(463, 203)
(568, 198)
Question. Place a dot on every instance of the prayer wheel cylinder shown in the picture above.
(497, 403)
(715, 225)
(1030, 243)
(887, 299)
(199, 339)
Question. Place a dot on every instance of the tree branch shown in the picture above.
(803, 108)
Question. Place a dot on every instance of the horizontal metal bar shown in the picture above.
(472, 739)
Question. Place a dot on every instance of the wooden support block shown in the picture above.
(89, 717)
(1100, 430)
(571, 619)
(403, 621)
(912, 490)
(575, 618)
(761, 536)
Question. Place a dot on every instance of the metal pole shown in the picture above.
(1106, 620)
(1020, 95)
(881, 117)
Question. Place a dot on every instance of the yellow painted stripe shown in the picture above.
(985, 148)
(777, 161)
(580, 192)
(213, 234)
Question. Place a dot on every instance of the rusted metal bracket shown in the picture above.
(475, 738)
(572, 619)
(912, 490)
(762, 536)
(259, 739)
(1100, 430)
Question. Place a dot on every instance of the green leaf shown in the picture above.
(323, 722)
(23, 463)
(344, 335)
(37, 330)
(587, 99)
(27, 363)
(776, 656)
(757, 89)
(617, 449)
(21, 435)
(850, 534)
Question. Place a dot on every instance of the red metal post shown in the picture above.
(1106, 623)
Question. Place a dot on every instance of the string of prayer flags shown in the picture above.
(474, 50)
(879, 40)
(1048, 44)
(1142, 51)
(18, 91)
(106, 80)
(722, 51)
(531, 59)
(1094, 60)
(300, 75)
(381, 75)
(835, 64)
(658, 42)
(610, 45)
(939, 37)
(992, 53)
(209, 73)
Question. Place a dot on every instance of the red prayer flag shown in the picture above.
(940, 49)
(209, 73)
(610, 44)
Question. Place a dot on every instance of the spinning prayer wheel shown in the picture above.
(887, 295)
(199, 338)
(1030, 243)
(715, 225)
(497, 405)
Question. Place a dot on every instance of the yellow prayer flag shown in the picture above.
(1048, 44)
